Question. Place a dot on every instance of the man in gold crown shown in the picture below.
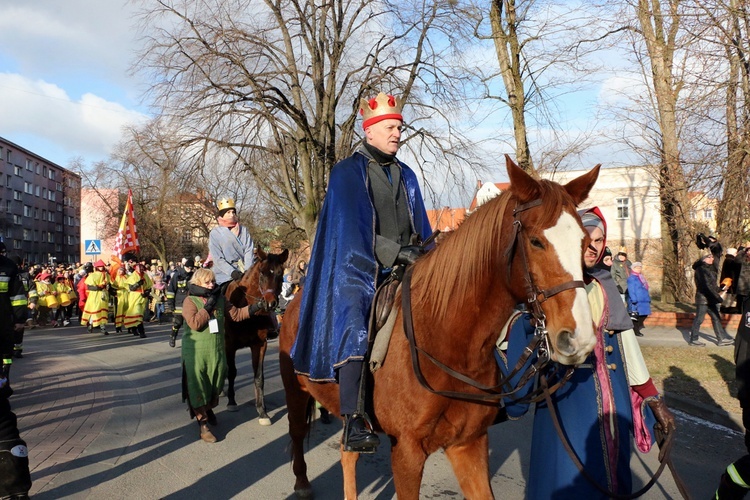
(372, 214)
(230, 245)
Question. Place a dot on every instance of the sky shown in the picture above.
(65, 87)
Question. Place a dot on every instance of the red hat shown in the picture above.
(43, 276)
(61, 276)
(99, 263)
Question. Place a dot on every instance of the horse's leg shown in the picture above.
(259, 354)
(231, 375)
(470, 463)
(407, 463)
(298, 403)
(349, 467)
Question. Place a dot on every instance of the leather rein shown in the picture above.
(539, 344)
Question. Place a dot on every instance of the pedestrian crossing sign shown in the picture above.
(93, 247)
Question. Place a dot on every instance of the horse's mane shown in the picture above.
(462, 265)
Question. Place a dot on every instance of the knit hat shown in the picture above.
(590, 219)
(732, 252)
(636, 264)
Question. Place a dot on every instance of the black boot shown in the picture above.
(173, 338)
(141, 331)
(358, 436)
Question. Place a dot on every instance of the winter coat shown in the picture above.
(706, 283)
(620, 272)
(639, 300)
(742, 285)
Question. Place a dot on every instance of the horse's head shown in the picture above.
(547, 258)
(262, 282)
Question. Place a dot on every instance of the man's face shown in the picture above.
(385, 135)
(594, 250)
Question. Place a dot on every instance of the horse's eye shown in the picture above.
(537, 243)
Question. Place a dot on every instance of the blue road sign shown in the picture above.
(93, 247)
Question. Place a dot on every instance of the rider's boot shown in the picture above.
(358, 436)
(173, 337)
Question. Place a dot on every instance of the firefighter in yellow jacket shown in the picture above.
(97, 302)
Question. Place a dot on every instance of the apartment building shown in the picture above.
(42, 205)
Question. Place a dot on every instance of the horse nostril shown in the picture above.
(565, 343)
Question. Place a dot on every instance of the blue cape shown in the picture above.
(342, 274)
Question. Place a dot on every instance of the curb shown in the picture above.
(711, 413)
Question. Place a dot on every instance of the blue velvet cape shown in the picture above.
(342, 274)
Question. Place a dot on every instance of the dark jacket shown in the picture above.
(742, 286)
(706, 286)
(730, 269)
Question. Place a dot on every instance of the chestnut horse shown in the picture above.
(259, 284)
(525, 245)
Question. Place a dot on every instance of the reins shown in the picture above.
(665, 455)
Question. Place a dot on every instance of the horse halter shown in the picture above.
(534, 296)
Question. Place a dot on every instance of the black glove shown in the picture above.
(211, 303)
(664, 418)
(408, 254)
(701, 241)
(254, 308)
(92, 288)
(236, 275)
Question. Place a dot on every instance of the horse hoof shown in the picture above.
(232, 408)
(304, 493)
(264, 421)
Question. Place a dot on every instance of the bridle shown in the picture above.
(539, 343)
(534, 296)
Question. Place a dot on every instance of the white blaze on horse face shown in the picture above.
(566, 236)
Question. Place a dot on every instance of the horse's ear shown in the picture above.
(260, 253)
(284, 255)
(525, 187)
(579, 188)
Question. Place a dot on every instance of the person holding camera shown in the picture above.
(204, 362)
(707, 300)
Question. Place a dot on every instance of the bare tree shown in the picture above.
(541, 49)
(274, 87)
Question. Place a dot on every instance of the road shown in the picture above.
(104, 419)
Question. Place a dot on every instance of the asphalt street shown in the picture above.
(104, 419)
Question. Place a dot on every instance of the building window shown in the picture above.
(28, 188)
(44, 192)
(708, 213)
(50, 237)
(51, 217)
(29, 165)
(38, 169)
(26, 235)
(44, 170)
(17, 170)
(7, 156)
(58, 228)
(16, 244)
(8, 206)
(51, 195)
(17, 195)
(7, 180)
(51, 174)
(187, 236)
(623, 208)
(59, 207)
(17, 219)
(36, 213)
(27, 211)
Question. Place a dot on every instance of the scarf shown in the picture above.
(232, 226)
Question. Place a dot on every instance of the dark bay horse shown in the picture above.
(526, 245)
(260, 284)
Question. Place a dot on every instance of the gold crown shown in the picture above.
(380, 108)
(226, 204)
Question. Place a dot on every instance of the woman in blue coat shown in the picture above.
(639, 301)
